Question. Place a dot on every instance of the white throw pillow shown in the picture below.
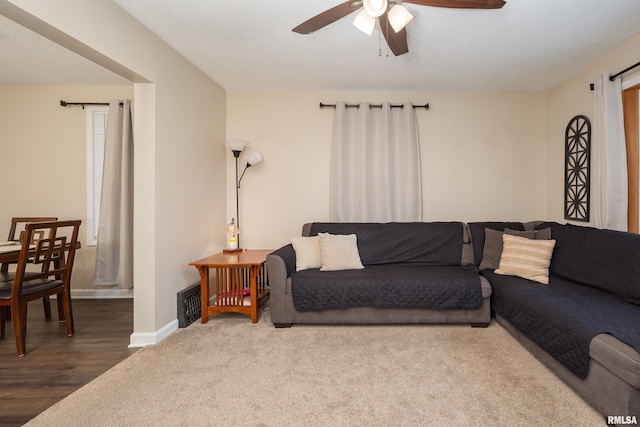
(526, 258)
(339, 252)
(308, 253)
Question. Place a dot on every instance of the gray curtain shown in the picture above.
(114, 256)
(375, 164)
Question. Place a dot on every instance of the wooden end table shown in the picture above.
(240, 282)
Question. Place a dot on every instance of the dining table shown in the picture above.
(9, 251)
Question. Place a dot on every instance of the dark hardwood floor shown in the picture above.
(56, 365)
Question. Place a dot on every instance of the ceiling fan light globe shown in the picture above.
(365, 22)
(375, 8)
(399, 17)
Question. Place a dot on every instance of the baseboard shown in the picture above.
(141, 339)
(107, 293)
(137, 339)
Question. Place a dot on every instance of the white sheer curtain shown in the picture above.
(375, 165)
(609, 177)
(114, 257)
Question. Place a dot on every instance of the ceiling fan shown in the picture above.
(388, 13)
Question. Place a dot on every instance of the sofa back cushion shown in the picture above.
(478, 234)
(432, 243)
(604, 259)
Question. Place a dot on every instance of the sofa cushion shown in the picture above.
(605, 259)
(433, 243)
(526, 258)
(339, 252)
(492, 249)
(308, 253)
(388, 286)
(563, 317)
(477, 230)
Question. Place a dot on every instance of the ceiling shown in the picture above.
(28, 58)
(528, 45)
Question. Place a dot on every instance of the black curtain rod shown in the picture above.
(613, 77)
(83, 104)
(425, 106)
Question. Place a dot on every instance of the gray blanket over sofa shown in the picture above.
(433, 243)
(407, 265)
(388, 286)
(563, 317)
(594, 289)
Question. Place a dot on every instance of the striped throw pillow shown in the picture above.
(526, 258)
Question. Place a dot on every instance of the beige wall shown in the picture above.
(179, 131)
(483, 157)
(572, 98)
(44, 152)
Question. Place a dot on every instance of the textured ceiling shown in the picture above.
(527, 45)
(28, 58)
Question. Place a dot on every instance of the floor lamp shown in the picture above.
(233, 229)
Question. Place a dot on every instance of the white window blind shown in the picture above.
(96, 127)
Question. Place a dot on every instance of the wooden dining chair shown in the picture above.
(54, 255)
(17, 224)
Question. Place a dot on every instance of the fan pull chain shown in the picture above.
(380, 40)
(387, 33)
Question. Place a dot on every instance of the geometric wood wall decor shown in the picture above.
(577, 165)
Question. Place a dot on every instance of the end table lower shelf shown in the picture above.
(241, 282)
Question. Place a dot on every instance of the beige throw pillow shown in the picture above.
(526, 258)
(339, 252)
(308, 253)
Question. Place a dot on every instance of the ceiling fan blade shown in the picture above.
(327, 17)
(397, 41)
(461, 4)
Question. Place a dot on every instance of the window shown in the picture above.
(96, 127)
(630, 103)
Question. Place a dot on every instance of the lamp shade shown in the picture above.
(375, 8)
(254, 158)
(365, 22)
(236, 144)
(232, 228)
(399, 17)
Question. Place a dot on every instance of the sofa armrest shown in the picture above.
(280, 264)
(306, 229)
(287, 257)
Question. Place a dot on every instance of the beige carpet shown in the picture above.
(230, 372)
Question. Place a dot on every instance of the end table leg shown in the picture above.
(253, 283)
(204, 293)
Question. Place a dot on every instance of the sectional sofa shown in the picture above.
(585, 324)
(579, 313)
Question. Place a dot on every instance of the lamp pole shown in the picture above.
(236, 154)
(253, 158)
